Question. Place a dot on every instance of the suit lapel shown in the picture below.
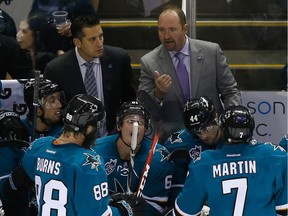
(196, 62)
(74, 66)
(106, 65)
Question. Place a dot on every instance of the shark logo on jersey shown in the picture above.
(94, 160)
(275, 146)
(175, 138)
(30, 147)
(110, 166)
(195, 152)
(124, 169)
(118, 187)
(164, 153)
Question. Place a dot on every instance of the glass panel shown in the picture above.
(242, 9)
(253, 36)
(133, 8)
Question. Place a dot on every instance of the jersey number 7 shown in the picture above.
(241, 186)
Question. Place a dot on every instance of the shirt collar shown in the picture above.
(81, 61)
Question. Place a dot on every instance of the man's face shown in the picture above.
(127, 128)
(51, 106)
(209, 134)
(171, 32)
(91, 45)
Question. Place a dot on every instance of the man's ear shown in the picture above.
(118, 127)
(77, 42)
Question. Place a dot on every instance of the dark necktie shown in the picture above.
(183, 76)
(89, 80)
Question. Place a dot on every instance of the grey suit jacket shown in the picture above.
(210, 76)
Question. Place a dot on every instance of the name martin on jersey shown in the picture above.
(234, 168)
(48, 166)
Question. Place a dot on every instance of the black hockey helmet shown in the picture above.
(84, 110)
(7, 2)
(198, 113)
(46, 88)
(11, 126)
(237, 124)
(132, 107)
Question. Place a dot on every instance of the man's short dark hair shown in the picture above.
(83, 21)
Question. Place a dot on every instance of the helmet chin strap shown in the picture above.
(124, 141)
(118, 128)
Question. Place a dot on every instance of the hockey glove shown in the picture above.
(180, 157)
(128, 204)
(17, 183)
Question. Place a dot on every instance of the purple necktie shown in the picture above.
(182, 75)
(89, 80)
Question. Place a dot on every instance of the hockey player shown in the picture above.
(12, 149)
(202, 132)
(50, 101)
(115, 149)
(11, 126)
(70, 178)
(284, 142)
(242, 178)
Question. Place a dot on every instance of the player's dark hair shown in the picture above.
(40, 31)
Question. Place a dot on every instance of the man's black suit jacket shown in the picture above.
(117, 79)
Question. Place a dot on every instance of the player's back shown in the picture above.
(284, 142)
(241, 179)
(64, 175)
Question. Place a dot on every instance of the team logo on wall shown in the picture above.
(20, 109)
(22, 81)
(6, 93)
(12, 97)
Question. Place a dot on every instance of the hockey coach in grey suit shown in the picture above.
(208, 72)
